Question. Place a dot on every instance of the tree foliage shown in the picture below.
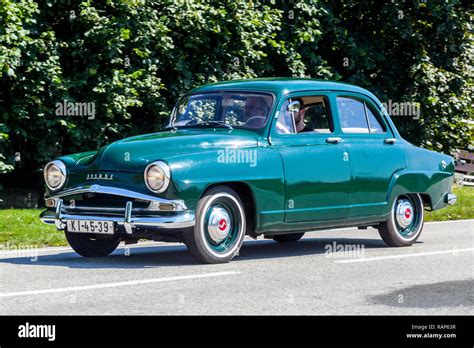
(133, 58)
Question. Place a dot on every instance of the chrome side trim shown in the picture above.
(155, 202)
(451, 198)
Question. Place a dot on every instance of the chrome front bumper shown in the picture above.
(160, 213)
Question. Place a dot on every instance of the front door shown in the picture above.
(315, 160)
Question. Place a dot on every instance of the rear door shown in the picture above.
(374, 154)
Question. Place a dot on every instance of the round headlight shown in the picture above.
(55, 175)
(157, 176)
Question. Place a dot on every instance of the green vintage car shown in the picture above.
(265, 157)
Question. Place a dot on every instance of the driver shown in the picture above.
(299, 119)
(255, 110)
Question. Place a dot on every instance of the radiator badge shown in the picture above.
(100, 177)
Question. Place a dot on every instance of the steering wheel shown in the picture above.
(253, 118)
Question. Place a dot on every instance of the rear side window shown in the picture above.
(376, 126)
(352, 115)
(358, 117)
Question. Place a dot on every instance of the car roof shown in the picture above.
(281, 85)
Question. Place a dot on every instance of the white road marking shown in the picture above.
(378, 258)
(447, 221)
(115, 285)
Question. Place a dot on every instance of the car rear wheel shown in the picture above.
(220, 227)
(88, 245)
(288, 238)
(405, 222)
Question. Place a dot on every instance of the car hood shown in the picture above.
(135, 153)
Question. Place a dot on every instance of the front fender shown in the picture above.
(260, 168)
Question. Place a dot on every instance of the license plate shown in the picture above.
(88, 226)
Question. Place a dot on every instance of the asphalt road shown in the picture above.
(434, 276)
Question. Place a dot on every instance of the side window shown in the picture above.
(313, 116)
(316, 115)
(352, 115)
(375, 126)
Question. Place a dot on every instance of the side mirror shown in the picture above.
(293, 106)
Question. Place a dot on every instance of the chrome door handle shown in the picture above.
(334, 140)
(390, 141)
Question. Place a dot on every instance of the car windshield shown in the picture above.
(224, 109)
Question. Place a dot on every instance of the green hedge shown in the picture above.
(133, 58)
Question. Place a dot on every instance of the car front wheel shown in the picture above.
(220, 227)
(88, 245)
(405, 222)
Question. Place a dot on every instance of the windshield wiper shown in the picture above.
(217, 123)
(170, 126)
(206, 124)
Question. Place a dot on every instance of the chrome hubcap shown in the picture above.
(219, 224)
(404, 213)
